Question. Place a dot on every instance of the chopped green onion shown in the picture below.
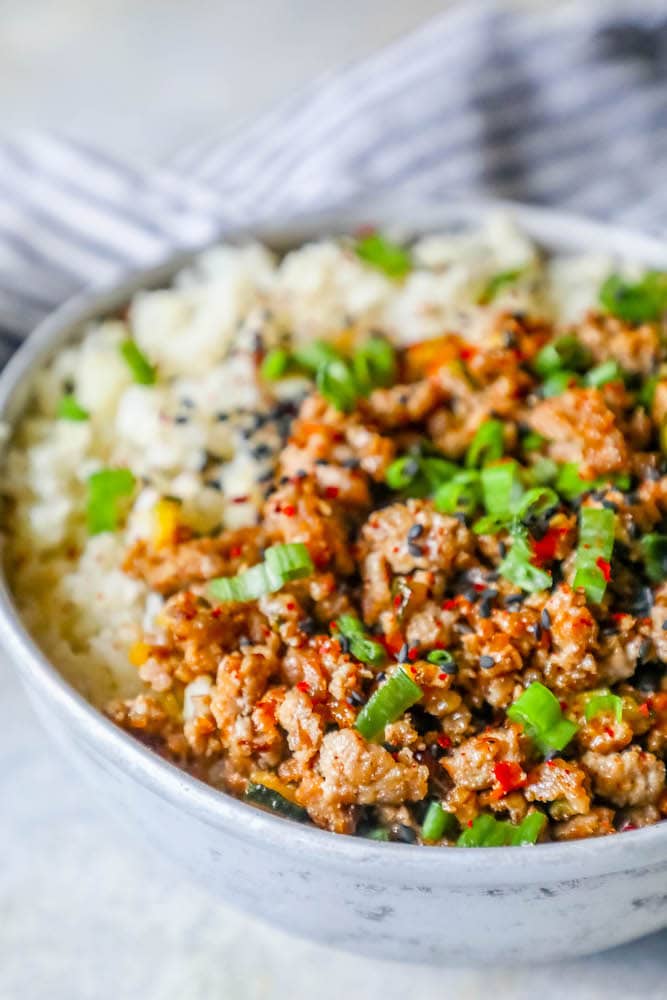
(654, 548)
(142, 370)
(388, 703)
(647, 392)
(384, 255)
(437, 471)
(282, 563)
(501, 488)
(70, 409)
(565, 352)
(403, 472)
(635, 302)
(496, 284)
(596, 544)
(487, 831)
(377, 833)
(374, 364)
(275, 364)
(535, 503)
(608, 371)
(461, 495)
(361, 647)
(518, 568)
(313, 354)
(419, 475)
(601, 703)
(532, 441)
(544, 470)
(106, 489)
(570, 484)
(261, 795)
(437, 822)
(487, 444)
(335, 381)
(558, 383)
(443, 659)
(539, 712)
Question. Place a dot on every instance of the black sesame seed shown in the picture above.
(321, 461)
(283, 480)
(354, 698)
(221, 417)
(403, 653)
(181, 418)
(308, 625)
(652, 474)
(261, 451)
(391, 747)
(502, 550)
(415, 531)
(545, 619)
(403, 834)
(300, 474)
(265, 476)
(536, 629)
(213, 484)
(610, 505)
(664, 625)
(486, 662)
(187, 403)
(414, 550)
(344, 643)
(644, 650)
(351, 463)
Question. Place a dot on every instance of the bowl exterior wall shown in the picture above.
(349, 907)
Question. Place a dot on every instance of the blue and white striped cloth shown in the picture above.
(565, 107)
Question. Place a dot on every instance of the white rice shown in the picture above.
(191, 428)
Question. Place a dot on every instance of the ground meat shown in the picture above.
(172, 567)
(631, 778)
(354, 771)
(403, 404)
(297, 513)
(599, 822)
(473, 764)
(582, 429)
(562, 783)
(571, 664)
(442, 545)
(634, 347)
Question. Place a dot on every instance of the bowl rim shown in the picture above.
(219, 809)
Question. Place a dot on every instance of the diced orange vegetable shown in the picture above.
(167, 519)
(139, 653)
(270, 780)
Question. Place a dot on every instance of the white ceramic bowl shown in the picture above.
(391, 900)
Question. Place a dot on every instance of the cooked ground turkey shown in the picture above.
(268, 692)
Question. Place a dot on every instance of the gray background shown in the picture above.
(84, 912)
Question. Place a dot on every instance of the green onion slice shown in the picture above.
(635, 302)
(608, 371)
(443, 659)
(654, 548)
(647, 392)
(557, 383)
(596, 543)
(390, 258)
(374, 364)
(282, 563)
(335, 381)
(361, 647)
(487, 831)
(487, 444)
(261, 795)
(387, 704)
(70, 409)
(461, 495)
(532, 441)
(518, 568)
(142, 370)
(535, 503)
(437, 822)
(539, 712)
(566, 352)
(106, 489)
(496, 284)
(275, 364)
(598, 704)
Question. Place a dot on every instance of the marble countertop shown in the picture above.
(85, 913)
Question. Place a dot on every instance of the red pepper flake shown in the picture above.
(216, 612)
(544, 549)
(291, 606)
(620, 615)
(289, 510)
(450, 604)
(550, 763)
(413, 653)
(398, 600)
(235, 551)
(604, 568)
(609, 731)
(509, 775)
(442, 677)
(396, 548)
(469, 824)
(467, 353)
(444, 741)
(243, 499)
(303, 686)
(331, 492)
(479, 587)
(333, 626)
(645, 708)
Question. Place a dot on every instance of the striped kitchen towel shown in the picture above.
(565, 107)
